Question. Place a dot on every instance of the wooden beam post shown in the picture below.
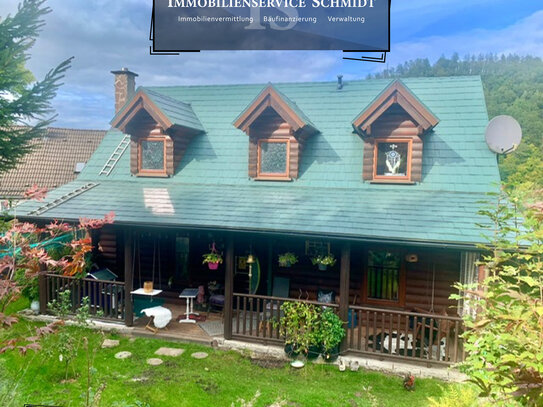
(128, 277)
(228, 287)
(344, 280)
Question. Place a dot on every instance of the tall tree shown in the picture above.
(25, 104)
(513, 85)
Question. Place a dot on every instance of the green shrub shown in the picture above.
(504, 343)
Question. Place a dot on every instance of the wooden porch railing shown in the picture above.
(405, 335)
(381, 333)
(106, 298)
(253, 317)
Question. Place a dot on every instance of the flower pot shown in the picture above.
(35, 306)
(322, 267)
(313, 352)
(148, 286)
(213, 266)
(285, 264)
(330, 355)
(291, 350)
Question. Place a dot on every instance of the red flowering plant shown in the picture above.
(26, 250)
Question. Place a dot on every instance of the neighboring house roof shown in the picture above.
(211, 188)
(53, 161)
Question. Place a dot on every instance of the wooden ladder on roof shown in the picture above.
(115, 156)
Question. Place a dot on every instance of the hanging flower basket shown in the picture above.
(213, 258)
(287, 259)
(323, 261)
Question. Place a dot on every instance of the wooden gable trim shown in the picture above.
(396, 93)
(269, 98)
(140, 102)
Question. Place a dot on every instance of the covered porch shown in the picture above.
(394, 299)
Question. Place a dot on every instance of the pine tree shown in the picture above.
(25, 104)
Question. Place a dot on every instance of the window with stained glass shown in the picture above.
(151, 155)
(392, 159)
(383, 279)
(273, 158)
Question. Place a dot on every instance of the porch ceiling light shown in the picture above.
(250, 259)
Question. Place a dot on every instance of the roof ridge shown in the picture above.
(346, 80)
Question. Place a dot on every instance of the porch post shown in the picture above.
(344, 279)
(228, 287)
(128, 277)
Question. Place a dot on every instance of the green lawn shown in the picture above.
(219, 380)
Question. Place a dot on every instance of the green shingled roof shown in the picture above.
(211, 187)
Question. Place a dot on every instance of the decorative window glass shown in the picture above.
(383, 280)
(273, 158)
(392, 159)
(152, 155)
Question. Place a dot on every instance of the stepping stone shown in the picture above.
(199, 355)
(123, 355)
(110, 343)
(154, 361)
(169, 351)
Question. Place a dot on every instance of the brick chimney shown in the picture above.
(125, 87)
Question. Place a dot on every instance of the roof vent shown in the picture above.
(340, 82)
(79, 167)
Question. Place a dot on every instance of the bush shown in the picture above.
(504, 343)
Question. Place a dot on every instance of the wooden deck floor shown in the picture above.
(178, 331)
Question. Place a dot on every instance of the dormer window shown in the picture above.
(273, 158)
(152, 156)
(277, 131)
(392, 127)
(392, 159)
(160, 130)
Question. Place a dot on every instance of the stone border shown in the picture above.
(384, 366)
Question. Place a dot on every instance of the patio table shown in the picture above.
(189, 294)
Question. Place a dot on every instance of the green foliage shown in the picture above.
(304, 325)
(330, 330)
(212, 257)
(504, 344)
(29, 285)
(513, 85)
(325, 260)
(457, 396)
(22, 99)
(299, 324)
(68, 346)
(287, 259)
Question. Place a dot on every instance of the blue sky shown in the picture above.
(104, 35)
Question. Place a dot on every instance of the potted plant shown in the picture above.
(213, 259)
(323, 261)
(287, 259)
(298, 326)
(330, 334)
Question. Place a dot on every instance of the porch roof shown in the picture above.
(396, 214)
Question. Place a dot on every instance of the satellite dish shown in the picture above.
(503, 134)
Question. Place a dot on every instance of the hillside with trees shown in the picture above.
(513, 86)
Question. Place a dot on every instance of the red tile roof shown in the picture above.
(53, 161)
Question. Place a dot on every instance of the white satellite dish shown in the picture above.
(503, 134)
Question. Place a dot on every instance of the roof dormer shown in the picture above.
(393, 127)
(160, 130)
(277, 130)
